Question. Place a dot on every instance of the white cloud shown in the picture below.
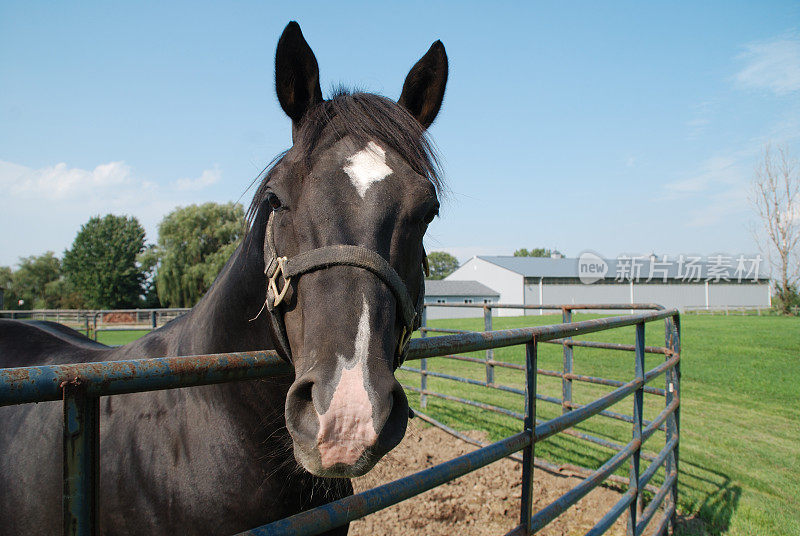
(44, 208)
(716, 191)
(208, 177)
(702, 113)
(60, 181)
(715, 172)
(773, 65)
(697, 127)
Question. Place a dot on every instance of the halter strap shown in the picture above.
(284, 268)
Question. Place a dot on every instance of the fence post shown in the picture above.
(86, 323)
(566, 382)
(95, 325)
(638, 401)
(528, 454)
(153, 318)
(423, 365)
(81, 459)
(487, 326)
(673, 422)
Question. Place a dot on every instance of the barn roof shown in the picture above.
(535, 266)
(446, 287)
(707, 267)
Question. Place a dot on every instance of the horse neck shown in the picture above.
(224, 320)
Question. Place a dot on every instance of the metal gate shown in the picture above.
(81, 385)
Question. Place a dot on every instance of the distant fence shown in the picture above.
(731, 310)
(93, 321)
(79, 387)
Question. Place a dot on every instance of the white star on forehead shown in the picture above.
(367, 166)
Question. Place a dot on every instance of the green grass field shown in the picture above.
(740, 417)
(740, 412)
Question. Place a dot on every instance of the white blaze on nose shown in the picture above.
(346, 429)
(367, 166)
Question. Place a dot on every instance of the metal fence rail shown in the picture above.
(81, 385)
(567, 375)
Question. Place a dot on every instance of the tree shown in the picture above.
(194, 243)
(536, 252)
(775, 195)
(9, 300)
(30, 282)
(441, 264)
(101, 265)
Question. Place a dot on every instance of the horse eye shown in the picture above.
(273, 200)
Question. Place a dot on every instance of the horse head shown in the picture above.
(348, 205)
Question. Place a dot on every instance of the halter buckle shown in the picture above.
(273, 287)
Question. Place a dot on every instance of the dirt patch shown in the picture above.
(119, 318)
(485, 502)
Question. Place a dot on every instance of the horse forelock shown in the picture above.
(366, 118)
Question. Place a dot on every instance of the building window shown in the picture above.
(440, 300)
(487, 300)
(467, 300)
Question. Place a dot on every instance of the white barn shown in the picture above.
(716, 282)
(457, 291)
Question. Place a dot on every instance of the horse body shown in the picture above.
(213, 459)
(217, 459)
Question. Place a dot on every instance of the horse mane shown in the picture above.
(365, 117)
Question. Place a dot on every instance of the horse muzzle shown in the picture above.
(342, 430)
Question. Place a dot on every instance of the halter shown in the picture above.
(277, 268)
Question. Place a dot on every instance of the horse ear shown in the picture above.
(423, 90)
(296, 74)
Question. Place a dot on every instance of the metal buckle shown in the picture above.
(280, 270)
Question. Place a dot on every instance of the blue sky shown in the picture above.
(624, 127)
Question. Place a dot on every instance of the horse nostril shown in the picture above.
(304, 392)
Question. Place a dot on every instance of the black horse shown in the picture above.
(337, 223)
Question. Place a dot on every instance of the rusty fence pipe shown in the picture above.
(470, 342)
(610, 346)
(423, 365)
(635, 508)
(21, 385)
(424, 329)
(470, 381)
(95, 324)
(529, 452)
(673, 382)
(487, 326)
(612, 383)
(521, 417)
(566, 380)
(560, 306)
(554, 373)
(480, 360)
(81, 460)
(468, 402)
